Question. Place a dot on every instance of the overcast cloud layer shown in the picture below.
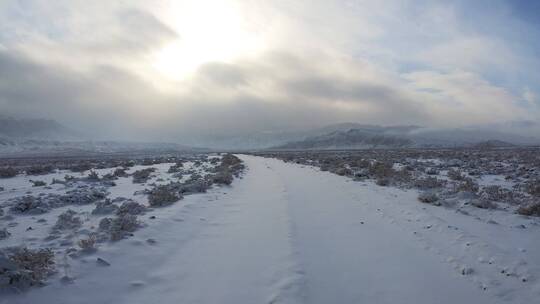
(165, 69)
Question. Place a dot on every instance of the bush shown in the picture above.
(40, 170)
(38, 183)
(530, 210)
(455, 175)
(468, 185)
(93, 176)
(119, 227)
(483, 204)
(88, 244)
(175, 168)
(533, 188)
(104, 207)
(141, 176)
(428, 183)
(163, 196)
(68, 221)
(22, 268)
(4, 234)
(131, 207)
(224, 177)
(120, 172)
(428, 198)
(30, 205)
(8, 172)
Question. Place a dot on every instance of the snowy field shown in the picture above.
(282, 232)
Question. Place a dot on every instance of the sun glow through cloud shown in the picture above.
(208, 31)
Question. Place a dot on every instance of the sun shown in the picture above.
(208, 31)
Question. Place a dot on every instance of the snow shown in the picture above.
(286, 233)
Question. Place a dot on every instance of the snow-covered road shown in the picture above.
(282, 234)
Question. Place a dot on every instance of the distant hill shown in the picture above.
(351, 139)
(43, 136)
(380, 137)
(40, 129)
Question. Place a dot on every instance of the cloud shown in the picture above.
(383, 62)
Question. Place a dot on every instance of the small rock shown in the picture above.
(151, 241)
(466, 270)
(102, 262)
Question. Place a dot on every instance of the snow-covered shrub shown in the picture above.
(68, 221)
(119, 227)
(530, 210)
(21, 268)
(88, 244)
(163, 196)
(497, 193)
(38, 183)
(120, 172)
(224, 177)
(533, 188)
(105, 207)
(468, 185)
(30, 205)
(343, 171)
(40, 170)
(194, 186)
(428, 183)
(4, 234)
(428, 198)
(81, 167)
(131, 207)
(432, 171)
(141, 176)
(456, 175)
(483, 204)
(8, 172)
(93, 176)
(176, 168)
(381, 170)
(83, 196)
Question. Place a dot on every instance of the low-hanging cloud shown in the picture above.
(107, 90)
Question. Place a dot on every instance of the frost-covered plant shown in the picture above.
(38, 183)
(93, 176)
(224, 177)
(163, 196)
(428, 183)
(120, 172)
(428, 198)
(30, 205)
(141, 176)
(8, 172)
(4, 234)
(88, 244)
(68, 221)
(530, 210)
(21, 268)
(176, 168)
(456, 175)
(104, 207)
(119, 227)
(131, 207)
(194, 186)
(83, 196)
(40, 170)
(533, 187)
(468, 185)
(483, 204)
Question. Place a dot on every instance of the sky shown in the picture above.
(158, 69)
